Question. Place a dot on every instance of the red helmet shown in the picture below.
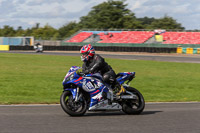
(87, 51)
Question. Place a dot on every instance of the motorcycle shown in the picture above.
(38, 48)
(88, 92)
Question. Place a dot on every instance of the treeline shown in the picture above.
(105, 16)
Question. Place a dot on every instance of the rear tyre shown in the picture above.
(133, 107)
(71, 107)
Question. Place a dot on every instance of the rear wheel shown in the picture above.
(71, 107)
(133, 106)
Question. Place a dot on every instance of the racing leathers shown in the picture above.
(97, 64)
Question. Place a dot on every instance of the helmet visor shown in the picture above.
(84, 56)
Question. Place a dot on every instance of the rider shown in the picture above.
(93, 63)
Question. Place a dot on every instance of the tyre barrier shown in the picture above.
(101, 48)
(187, 50)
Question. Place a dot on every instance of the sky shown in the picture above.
(56, 13)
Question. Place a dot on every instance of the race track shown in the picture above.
(156, 118)
(125, 55)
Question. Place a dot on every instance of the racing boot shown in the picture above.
(121, 91)
(118, 89)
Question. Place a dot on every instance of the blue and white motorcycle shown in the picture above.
(90, 93)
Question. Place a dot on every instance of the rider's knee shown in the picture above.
(106, 78)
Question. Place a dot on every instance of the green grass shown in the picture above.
(28, 78)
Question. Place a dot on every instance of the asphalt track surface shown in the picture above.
(156, 118)
(126, 55)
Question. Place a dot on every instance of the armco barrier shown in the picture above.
(100, 48)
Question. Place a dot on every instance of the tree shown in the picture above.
(28, 32)
(110, 14)
(68, 29)
(146, 21)
(8, 31)
(166, 23)
(45, 33)
(20, 31)
(1, 32)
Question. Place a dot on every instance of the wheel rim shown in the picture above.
(135, 104)
(72, 105)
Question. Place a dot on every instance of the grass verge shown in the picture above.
(28, 78)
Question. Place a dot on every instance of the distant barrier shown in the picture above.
(180, 50)
(4, 48)
(100, 48)
(17, 41)
(21, 48)
(188, 50)
(158, 45)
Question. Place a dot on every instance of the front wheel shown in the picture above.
(71, 107)
(135, 106)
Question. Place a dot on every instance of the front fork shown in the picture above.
(75, 93)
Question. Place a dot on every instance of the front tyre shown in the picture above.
(71, 107)
(135, 106)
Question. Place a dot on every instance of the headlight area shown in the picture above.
(69, 78)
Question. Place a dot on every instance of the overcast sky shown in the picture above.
(27, 13)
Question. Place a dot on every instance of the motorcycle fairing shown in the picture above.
(103, 105)
(125, 76)
(97, 95)
(77, 82)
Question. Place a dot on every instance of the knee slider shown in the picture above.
(106, 77)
